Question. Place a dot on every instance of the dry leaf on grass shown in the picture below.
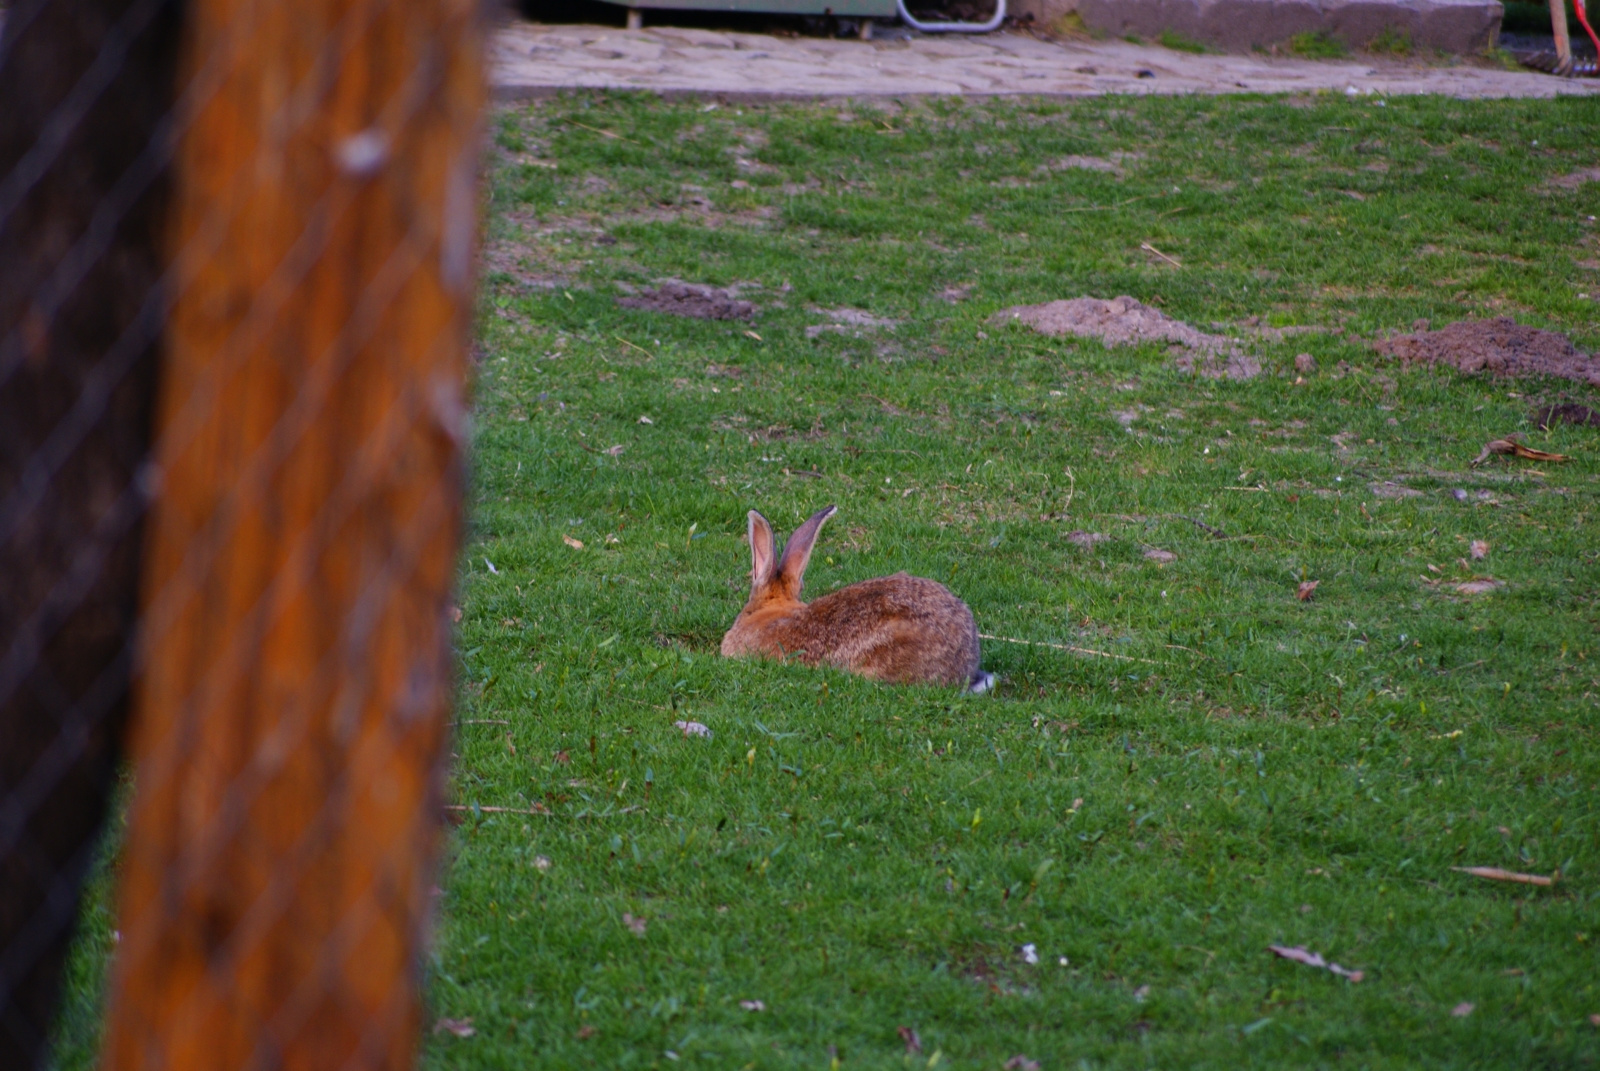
(1020, 1062)
(1313, 959)
(614, 450)
(752, 1005)
(1516, 449)
(909, 1036)
(1462, 1010)
(586, 1031)
(461, 1028)
(575, 544)
(1479, 549)
(692, 728)
(455, 614)
(1494, 873)
(1303, 592)
(637, 925)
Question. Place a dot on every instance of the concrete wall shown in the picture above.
(1460, 26)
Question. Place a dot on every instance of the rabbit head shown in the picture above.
(777, 581)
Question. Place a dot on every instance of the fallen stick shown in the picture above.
(602, 133)
(1108, 208)
(1068, 647)
(536, 809)
(1148, 248)
(1516, 449)
(641, 349)
(1494, 873)
(1215, 533)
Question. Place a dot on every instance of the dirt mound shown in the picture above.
(1124, 321)
(1551, 415)
(688, 299)
(1501, 346)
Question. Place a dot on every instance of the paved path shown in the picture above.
(531, 60)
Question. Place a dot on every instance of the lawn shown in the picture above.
(1236, 769)
(1184, 763)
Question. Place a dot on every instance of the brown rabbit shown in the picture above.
(898, 628)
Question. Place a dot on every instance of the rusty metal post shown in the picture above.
(290, 721)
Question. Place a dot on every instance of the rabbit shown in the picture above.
(901, 629)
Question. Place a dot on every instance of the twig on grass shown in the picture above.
(1494, 873)
(1108, 208)
(1215, 533)
(1068, 647)
(641, 349)
(602, 133)
(537, 808)
(1148, 248)
(483, 721)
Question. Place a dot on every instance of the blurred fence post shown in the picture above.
(291, 717)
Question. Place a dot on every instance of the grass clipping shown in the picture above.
(1125, 321)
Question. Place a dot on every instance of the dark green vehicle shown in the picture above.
(866, 10)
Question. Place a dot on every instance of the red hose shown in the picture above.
(1583, 20)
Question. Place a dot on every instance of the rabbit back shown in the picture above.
(900, 629)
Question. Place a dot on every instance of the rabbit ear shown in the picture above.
(763, 550)
(797, 552)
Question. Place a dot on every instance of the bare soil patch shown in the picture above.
(1125, 321)
(1551, 415)
(1392, 490)
(848, 321)
(1576, 179)
(689, 299)
(1500, 346)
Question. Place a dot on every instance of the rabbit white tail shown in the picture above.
(981, 683)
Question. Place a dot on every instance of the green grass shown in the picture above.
(1179, 43)
(1392, 41)
(1317, 44)
(1247, 770)
(1259, 770)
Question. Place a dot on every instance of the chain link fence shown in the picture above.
(236, 246)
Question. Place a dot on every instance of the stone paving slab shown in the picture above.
(533, 60)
